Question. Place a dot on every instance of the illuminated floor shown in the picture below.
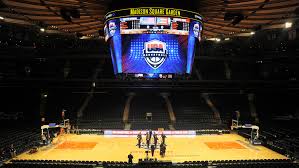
(101, 148)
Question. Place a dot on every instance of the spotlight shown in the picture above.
(252, 33)
(226, 39)
(218, 39)
(42, 29)
(237, 19)
(93, 84)
(228, 16)
(1, 18)
(45, 95)
(288, 25)
(68, 14)
(27, 70)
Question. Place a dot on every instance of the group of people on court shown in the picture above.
(153, 146)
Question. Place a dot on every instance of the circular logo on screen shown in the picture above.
(196, 30)
(155, 53)
(112, 28)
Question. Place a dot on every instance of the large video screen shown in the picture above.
(152, 44)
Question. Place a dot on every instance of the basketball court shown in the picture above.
(179, 149)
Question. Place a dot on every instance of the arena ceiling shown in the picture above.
(223, 18)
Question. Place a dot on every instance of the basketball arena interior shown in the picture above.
(149, 83)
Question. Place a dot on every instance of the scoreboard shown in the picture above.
(154, 25)
(152, 40)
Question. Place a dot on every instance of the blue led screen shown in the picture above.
(165, 47)
(133, 60)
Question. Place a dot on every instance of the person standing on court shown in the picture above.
(139, 138)
(150, 134)
(12, 151)
(163, 150)
(130, 158)
(147, 140)
(153, 149)
(155, 139)
(163, 138)
(161, 146)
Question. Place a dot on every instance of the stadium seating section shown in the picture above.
(153, 164)
(142, 104)
(22, 139)
(193, 113)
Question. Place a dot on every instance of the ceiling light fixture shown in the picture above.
(288, 25)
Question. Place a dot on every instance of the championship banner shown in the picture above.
(153, 11)
(124, 132)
